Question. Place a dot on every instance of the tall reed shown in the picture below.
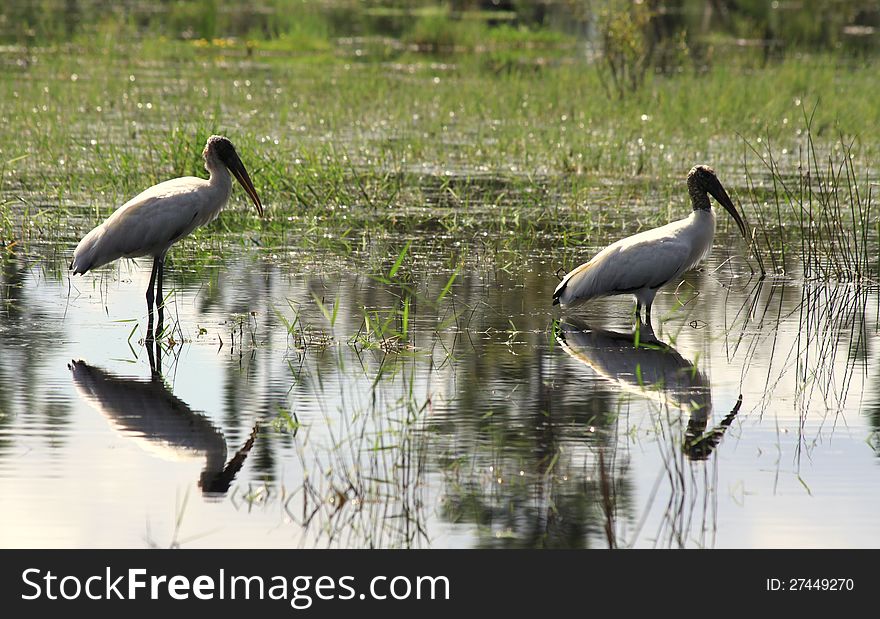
(817, 215)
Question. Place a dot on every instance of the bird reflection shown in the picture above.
(145, 411)
(640, 363)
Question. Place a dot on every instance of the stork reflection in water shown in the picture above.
(653, 369)
(147, 413)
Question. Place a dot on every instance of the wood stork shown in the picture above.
(652, 369)
(154, 220)
(644, 262)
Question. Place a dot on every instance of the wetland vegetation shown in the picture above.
(382, 342)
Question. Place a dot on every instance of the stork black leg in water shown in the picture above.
(155, 281)
(154, 220)
(641, 264)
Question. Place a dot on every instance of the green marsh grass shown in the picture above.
(445, 156)
(818, 216)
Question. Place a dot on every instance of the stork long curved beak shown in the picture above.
(718, 192)
(233, 162)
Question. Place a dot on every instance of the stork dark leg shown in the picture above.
(150, 299)
(155, 368)
(160, 298)
(649, 328)
(644, 330)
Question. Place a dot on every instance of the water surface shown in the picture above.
(492, 421)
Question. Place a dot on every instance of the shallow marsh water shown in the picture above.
(485, 424)
(315, 394)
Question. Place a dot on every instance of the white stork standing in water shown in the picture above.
(644, 262)
(154, 220)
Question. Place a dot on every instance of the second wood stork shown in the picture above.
(154, 220)
(643, 263)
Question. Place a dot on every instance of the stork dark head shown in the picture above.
(222, 148)
(702, 182)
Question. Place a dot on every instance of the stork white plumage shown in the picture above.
(154, 220)
(643, 263)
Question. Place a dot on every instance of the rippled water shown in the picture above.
(484, 422)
